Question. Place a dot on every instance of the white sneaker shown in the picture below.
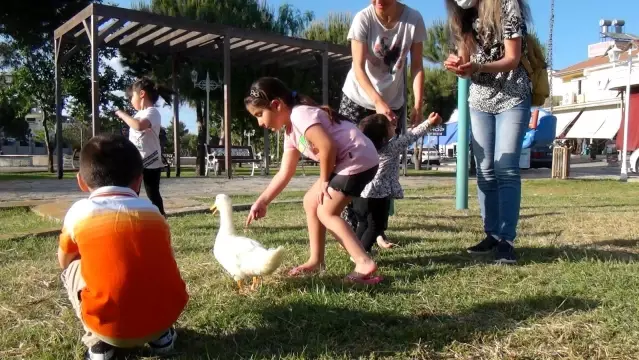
(100, 351)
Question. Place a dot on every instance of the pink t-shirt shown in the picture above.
(355, 152)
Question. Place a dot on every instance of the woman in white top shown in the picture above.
(382, 36)
(144, 130)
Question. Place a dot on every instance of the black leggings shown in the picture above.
(152, 187)
(372, 219)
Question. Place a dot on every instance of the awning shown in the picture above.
(596, 124)
(563, 119)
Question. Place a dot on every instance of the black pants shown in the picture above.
(372, 219)
(151, 178)
(357, 113)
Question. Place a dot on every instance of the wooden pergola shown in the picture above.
(100, 25)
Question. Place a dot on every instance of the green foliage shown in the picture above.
(436, 47)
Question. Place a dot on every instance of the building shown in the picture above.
(592, 93)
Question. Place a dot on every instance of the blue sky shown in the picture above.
(576, 25)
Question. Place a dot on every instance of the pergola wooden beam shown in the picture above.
(138, 31)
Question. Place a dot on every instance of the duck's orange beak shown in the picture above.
(214, 209)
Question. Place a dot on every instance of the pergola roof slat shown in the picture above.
(121, 32)
(184, 38)
(145, 29)
(169, 36)
(154, 35)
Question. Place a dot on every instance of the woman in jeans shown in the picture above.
(489, 38)
(382, 35)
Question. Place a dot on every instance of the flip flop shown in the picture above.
(359, 278)
(301, 271)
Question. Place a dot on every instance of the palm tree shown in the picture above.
(436, 45)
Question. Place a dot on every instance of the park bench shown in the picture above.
(70, 161)
(239, 155)
(306, 161)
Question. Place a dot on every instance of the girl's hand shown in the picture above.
(452, 64)
(323, 193)
(258, 211)
(434, 119)
(469, 68)
(119, 113)
(382, 108)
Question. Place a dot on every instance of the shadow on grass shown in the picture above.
(313, 330)
(526, 255)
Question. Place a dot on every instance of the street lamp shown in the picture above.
(248, 134)
(207, 85)
(623, 42)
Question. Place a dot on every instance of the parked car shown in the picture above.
(430, 156)
(541, 156)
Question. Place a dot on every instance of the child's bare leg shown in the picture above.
(329, 214)
(316, 232)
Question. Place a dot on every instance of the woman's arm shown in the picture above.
(417, 74)
(317, 136)
(358, 52)
(282, 178)
(509, 62)
(133, 123)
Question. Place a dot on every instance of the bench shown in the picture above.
(306, 161)
(239, 155)
(167, 161)
(70, 161)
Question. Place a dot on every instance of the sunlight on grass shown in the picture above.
(572, 296)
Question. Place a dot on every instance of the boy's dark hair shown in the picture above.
(109, 160)
(266, 89)
(375, 127)
(153, 90)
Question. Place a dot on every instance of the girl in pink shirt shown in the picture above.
(348, 161)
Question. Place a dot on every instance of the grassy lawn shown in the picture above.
(572, 296)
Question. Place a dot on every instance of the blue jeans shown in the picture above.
(497, 140)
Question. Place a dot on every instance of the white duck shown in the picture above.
(241, 257)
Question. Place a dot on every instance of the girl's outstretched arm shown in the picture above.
(135, 124)
(275, 187)
(395, 147)
(283, 176)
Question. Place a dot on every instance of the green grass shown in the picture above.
(16, 221)
(573, 295)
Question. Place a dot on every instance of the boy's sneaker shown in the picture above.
(505, 253)
(165, 343)
(100, 351)
(485, 246)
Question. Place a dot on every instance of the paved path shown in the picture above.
(52, 198)
(189, 188)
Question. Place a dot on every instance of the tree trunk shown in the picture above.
(201, 142)
(47, 143)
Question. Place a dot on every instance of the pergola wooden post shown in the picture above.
(176, 116)
(140, 31)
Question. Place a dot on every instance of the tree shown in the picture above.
(182, 132)
(12, 113)
(27, 49)
(436, 45)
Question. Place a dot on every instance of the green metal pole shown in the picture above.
(463, 127)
